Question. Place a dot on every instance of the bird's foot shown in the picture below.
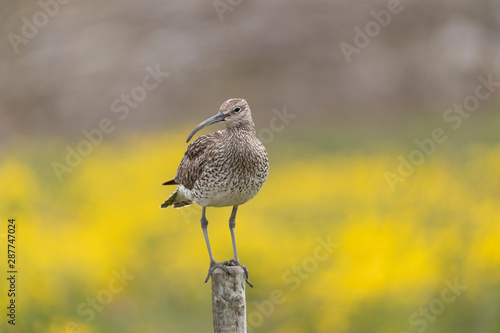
(213, 265)
(234, 262)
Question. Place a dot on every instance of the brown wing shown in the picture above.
(195, 157)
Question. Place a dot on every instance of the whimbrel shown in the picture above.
(222, 168)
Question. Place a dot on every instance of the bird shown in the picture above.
(221, 169)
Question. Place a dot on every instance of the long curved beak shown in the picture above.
(215, 119)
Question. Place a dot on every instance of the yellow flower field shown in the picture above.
(329, 246)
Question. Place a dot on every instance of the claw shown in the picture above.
(213, 265)
(233, 262)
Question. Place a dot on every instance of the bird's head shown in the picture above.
(234, 112)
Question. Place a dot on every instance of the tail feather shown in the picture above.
(176, 200)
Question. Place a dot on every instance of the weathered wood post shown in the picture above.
(228, 300)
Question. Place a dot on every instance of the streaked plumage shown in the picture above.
(223, 168)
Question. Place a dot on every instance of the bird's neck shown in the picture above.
(246, 128)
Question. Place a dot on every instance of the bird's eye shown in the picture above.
(237, 110)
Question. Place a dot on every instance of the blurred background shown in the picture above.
(381, 210)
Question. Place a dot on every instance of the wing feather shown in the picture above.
(196, 156)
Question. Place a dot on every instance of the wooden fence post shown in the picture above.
(228, 300)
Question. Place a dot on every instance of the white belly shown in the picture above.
(235, 192)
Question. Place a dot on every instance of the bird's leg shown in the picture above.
(232, 225)
(235, 261)
(213, 263)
